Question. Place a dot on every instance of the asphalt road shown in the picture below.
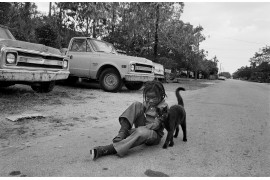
(227, 131)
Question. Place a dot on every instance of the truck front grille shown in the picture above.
(39, 56)
(23, 64)
(26, 59)
(143, 68)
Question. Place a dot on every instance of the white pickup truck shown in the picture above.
(32, 64)
(98, 60)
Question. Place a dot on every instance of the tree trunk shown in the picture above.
(50, 9)
(87, 27)
(196, 74)
(113, 19)
(94, 29)
(156, 33)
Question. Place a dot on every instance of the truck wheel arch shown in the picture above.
(102, 68)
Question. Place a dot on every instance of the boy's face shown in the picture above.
(152, 98)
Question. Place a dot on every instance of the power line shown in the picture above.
(235, 39)
(219, 49)
(244, 41)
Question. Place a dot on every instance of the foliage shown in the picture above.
(4, 12)
(21, 20)
(259, 69)
(47, 35)
(225, 74)
(153, 30)
(262, 56)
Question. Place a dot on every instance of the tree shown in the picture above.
(147, 29)
(22, 21)
(47, 35)
(262, 56)
(4, 12)
(225, 74)
(260, 67)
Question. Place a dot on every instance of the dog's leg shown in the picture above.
(168, 139)
(176, 131)
(184, 129)
(171, 142)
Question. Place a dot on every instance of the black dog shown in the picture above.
(172, 119)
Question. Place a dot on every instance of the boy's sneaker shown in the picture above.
(94, 154)
(99, 151)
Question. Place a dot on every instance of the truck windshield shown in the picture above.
(5, 34)
(101, 46)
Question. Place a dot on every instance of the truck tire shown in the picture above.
(43, 87)
(134, 85)
(110, 80)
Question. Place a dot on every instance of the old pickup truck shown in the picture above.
(32, 64)
(98, 60)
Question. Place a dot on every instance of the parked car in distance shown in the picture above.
(32, 64)
(98, 60)
(222, 78)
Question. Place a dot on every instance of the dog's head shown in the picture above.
(162, 114)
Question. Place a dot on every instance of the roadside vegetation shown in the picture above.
(259, 69)
(153, 30)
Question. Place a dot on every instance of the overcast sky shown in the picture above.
(234, 30)
(237, 29)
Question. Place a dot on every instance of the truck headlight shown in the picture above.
(132, 67)
(11, 58)
(65, 64)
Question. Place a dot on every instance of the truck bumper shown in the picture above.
(159, 76)
(32, 76)
(141, 78)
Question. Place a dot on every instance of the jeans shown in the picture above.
(138, 135)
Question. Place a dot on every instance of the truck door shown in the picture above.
(80, 58)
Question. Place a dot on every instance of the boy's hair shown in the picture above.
(154, 86)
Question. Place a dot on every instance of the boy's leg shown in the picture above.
(134, 114)
(139, 136)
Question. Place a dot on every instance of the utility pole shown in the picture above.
(220, 69)
(50, 7)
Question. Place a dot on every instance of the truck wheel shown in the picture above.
(43, 87)
(110, 80)
(134, 85)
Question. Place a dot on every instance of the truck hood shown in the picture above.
(29, 46)
(129, 58)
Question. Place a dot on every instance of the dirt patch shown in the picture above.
(66, 108)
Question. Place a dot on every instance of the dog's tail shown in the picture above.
(178, 96)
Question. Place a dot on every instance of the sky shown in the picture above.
(234, 31)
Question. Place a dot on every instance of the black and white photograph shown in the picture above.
(135, 89)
